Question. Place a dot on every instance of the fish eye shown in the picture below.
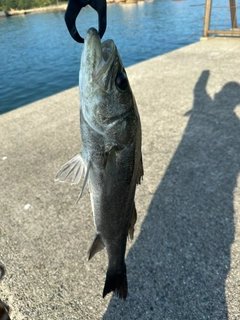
(121, 81)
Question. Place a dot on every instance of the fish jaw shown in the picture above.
(96, 61)
(91, 59)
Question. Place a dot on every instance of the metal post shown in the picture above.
(207, 17)
(233, 13)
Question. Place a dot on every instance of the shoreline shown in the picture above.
(61, 7)
(11, 13)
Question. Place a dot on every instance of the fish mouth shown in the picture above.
(97, 57)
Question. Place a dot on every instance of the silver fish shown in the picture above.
(111, 158)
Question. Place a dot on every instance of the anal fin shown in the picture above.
(96, 246)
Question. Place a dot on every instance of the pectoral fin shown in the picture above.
(96, 246)
(73, 171)
(84, 181)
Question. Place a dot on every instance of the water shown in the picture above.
(39, 58)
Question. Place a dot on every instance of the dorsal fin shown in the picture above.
(140, 172)
(132, 222)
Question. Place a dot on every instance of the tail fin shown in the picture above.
(116, 281)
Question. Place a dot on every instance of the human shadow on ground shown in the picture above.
(178, 266)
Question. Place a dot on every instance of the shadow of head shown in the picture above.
(229, 96)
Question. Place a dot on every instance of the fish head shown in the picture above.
(104, 88)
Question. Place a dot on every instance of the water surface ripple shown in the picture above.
(39, 58)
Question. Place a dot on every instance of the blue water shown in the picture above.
(38, 57)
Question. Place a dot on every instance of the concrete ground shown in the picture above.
(184, 262)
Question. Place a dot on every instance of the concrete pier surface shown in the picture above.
(184, 262)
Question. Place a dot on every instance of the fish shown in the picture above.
(110, 161)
